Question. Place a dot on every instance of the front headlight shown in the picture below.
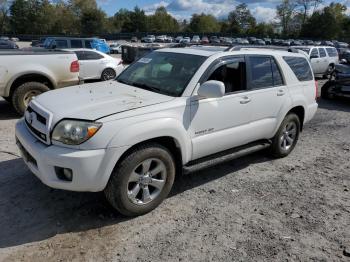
(74, 132)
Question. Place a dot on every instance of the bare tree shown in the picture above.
(306, 6)
(4, 10)
(285, 13)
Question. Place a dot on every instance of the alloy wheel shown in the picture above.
(288, 136)
(146, 181)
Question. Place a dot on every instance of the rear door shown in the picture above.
(315, 61)
(268, 93)
(90, 64)
(324, 61)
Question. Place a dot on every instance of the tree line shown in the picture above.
(294, 18)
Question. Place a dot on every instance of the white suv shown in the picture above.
(173, 111)
(323, 58)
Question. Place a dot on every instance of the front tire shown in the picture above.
(142, 180)
(286, 137)
(24, 94)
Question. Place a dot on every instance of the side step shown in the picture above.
(224, 156)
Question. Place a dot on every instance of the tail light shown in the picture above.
(74, 67)
(316, 89)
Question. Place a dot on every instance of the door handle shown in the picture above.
(281, 92)
(245, 100)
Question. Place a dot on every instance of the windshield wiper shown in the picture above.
(147, 87)
(123, 82)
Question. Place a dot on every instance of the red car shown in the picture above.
(205, 40)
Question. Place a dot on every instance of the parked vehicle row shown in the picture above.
(7, 44)
(196, 39)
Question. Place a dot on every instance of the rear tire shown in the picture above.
(108, 74)
(286, 137)
(24, 94)
(142, 180)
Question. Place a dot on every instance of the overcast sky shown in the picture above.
(264, 11)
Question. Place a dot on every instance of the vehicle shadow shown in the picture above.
(6, 111)
(337, 104)
(31, 211)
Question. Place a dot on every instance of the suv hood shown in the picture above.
(97, 100)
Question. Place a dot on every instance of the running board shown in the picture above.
(224, 156)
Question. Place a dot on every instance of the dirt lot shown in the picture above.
(251, 209)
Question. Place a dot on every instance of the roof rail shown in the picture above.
(281, 48)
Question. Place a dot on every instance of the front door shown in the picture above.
(222, 123)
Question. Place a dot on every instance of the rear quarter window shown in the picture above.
(300, 67)
(332, 52)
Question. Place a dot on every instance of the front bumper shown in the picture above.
(91, 168)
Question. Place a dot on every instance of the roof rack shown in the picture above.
(281, 48)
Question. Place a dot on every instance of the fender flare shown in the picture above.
(147, 130)
(32, 72)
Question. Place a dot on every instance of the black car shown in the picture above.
(339, 82)
(7, 44)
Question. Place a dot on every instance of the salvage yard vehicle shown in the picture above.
(323, 58)
(97, 65)
(26, 74)
(74, 43)
(339, 82)
(7, 44)
(174, 111)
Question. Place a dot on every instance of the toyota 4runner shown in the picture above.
(173, 111)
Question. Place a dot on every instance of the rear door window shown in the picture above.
(80, 55)
(61, 43)
(300, 67)
(88, 44)
(322, 52)
(260, 72)
(76, 43)
(276, 73)
(90, 55)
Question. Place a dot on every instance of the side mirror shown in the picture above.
(313, 56)
(344, 61)
(54, 46)
(211, 89)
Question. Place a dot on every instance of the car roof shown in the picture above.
(206, 51)
(311, 46)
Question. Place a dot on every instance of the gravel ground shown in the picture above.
(251, 209)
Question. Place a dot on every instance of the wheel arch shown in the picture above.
(168, 142)
(30, 77)
(300, 112)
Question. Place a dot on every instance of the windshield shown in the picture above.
(162, 72)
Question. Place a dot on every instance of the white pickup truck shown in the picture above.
(173, 111)
(25, 74)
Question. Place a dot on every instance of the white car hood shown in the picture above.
(97, 100)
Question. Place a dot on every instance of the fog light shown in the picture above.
(65, 174)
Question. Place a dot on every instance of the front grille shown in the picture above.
(37, 120)
(36, 132)
(39, 117)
